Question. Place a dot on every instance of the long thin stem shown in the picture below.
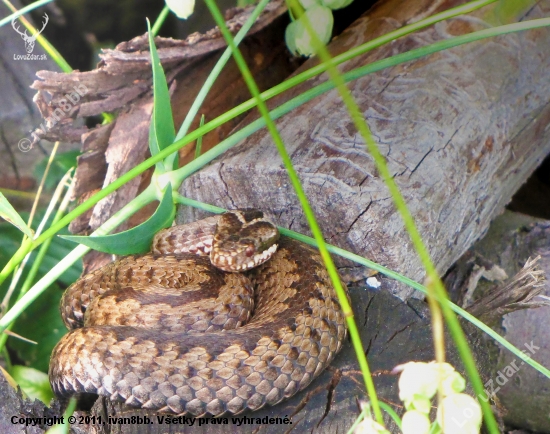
(160, 20)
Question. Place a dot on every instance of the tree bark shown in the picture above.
(14, 409)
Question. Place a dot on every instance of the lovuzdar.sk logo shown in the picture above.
(29, 41)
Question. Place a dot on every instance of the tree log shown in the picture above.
(461, 131)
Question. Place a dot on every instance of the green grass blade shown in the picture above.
(23, 11)
(8, 213)
(64, 427)
(162, 131)
(392, 413)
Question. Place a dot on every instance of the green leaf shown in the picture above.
(162, 131)
(135, 240)
(33, 382)
(7, 212)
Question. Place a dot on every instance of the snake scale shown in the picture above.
(170, 331)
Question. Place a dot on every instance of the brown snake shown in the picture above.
(171, 332)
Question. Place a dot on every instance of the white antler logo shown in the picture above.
(29, 40)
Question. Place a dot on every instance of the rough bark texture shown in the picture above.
(461, 131)
(13, 404)
(524, 392)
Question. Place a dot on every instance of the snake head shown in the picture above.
(243, 240)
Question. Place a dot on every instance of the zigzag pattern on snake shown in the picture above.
(171, 332)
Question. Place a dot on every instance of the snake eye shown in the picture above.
(250, 250)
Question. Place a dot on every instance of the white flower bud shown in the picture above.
(321, 20)
(453, 383)
(419, 403)
(459, 414)
(182, 8)
(417, 378)
(414, 422)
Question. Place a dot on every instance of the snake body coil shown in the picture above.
(171, 332)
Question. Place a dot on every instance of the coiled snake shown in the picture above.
(237, 341)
